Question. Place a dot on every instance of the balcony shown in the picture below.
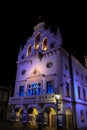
(47, 98)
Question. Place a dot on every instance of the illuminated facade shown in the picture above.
(44, 69)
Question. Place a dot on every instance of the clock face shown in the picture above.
(49, 64)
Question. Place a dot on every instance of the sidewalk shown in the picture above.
(6, 125)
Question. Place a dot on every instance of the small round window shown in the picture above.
(49, 64)
(23, 72)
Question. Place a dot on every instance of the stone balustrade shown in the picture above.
(32, 99)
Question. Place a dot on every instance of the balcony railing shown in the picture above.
(32, 99)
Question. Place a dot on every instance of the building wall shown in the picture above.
(79, 79)
(4, 96)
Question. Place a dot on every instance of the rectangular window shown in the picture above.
(67, 90)
(34, 89)
(21, 91)
(84, 94)
(5, 96)
(79, 92)
(82, 116)
(50, 87)
(86, 79)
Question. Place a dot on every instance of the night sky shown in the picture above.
(18, 19)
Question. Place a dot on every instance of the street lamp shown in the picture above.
(57, 97)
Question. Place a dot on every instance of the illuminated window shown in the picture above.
(37, 41)
(50, 86)
(21, 91)
(82, 116)
(79, 96)
(67, 90)
(45, 44)
(28, 50)
(34, 89)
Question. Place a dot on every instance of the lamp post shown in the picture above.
(57, 97)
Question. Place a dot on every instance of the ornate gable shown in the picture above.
(42, 40)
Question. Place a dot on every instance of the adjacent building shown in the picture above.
(5, 93)
(45, 69)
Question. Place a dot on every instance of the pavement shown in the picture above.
(6, 125)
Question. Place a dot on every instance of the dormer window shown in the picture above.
(37, 41)
(45, 44)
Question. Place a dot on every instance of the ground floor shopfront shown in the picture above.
(46, 114)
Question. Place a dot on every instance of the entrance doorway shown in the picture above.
(69, 124)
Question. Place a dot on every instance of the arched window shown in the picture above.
(28, 50)
(37, 41)
(45, 44)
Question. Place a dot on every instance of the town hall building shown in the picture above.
(45, 69)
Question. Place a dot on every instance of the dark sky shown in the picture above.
(18, 19)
